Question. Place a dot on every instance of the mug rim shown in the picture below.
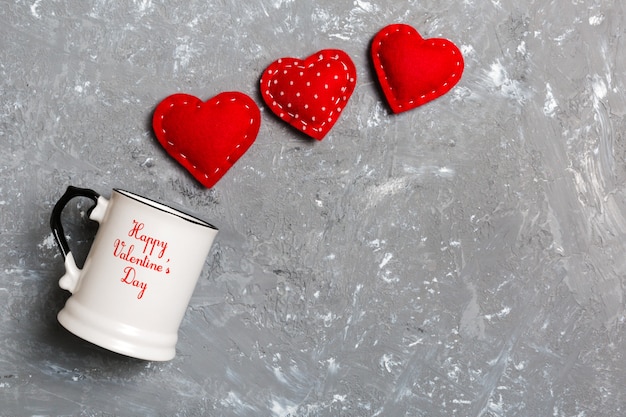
(164, 208)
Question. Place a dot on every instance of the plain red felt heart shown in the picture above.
(412, 70)
(207, 138)
(310, 94)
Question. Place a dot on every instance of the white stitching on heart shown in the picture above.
(410, 31)
(199, 104)
(285, 114)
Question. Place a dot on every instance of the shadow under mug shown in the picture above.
(134, 288)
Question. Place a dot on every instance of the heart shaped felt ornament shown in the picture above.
(310, 93)
(207, 138)
(413, 70)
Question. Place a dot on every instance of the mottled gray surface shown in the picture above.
(466, 258)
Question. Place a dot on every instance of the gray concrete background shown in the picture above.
(465, 258)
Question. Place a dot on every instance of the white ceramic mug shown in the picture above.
(134, 288)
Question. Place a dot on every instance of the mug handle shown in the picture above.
(71, 277)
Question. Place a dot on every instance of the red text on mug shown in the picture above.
(141, 250)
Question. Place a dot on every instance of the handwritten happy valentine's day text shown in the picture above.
(141, 250)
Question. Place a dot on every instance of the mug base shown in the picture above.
(116, 337)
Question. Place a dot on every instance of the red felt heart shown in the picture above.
(310, 94)
(207, 138)
(412, 70)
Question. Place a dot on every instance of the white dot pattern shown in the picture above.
(310, 94)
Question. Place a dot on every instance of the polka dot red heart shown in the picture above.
(412, 70)
(207, 138)
(310, 94)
